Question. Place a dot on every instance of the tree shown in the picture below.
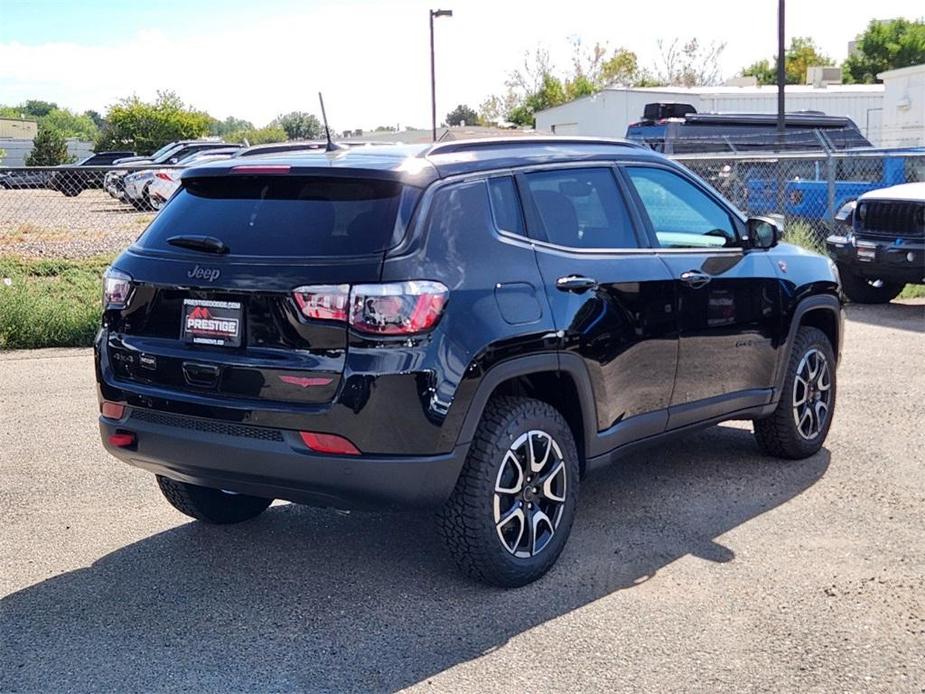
(801, 55)
(886, 45)
(224, 128)
(49, 148)
(69, 124)
(689, 64)
(462, 114)
(258, 136)
(146, 127)
(95, 117)
(300, 125)
(37, 109)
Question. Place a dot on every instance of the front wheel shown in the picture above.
(864, 291)
(211, 505)
(511, 512)
(800, 424)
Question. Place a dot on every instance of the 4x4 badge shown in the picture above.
(210, 274)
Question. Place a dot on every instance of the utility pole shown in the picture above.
(781, 75)
(433, 74)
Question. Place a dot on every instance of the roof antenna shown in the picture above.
(330, 146)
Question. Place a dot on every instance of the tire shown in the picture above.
(211, 505)
(71, 192)
(862, 291)
(787, 433)
(507, 554)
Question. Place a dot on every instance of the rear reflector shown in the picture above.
(122, 439)
(261, 170)
(112, 410)
(328, 443)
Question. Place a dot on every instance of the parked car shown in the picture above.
(165, 182)
(881, 247)
(15, 179)
(71, 181)
(470, 326)
(171, 153)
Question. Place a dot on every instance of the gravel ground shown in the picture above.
(45, 223)
(697, 566)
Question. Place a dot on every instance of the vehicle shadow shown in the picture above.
(314, 599)
(898, 315)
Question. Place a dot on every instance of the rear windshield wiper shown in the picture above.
(206, 244)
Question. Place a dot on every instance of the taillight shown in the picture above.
(392, 308)
(117, 287)
(163, 176)
(323, 301)
(396, 308)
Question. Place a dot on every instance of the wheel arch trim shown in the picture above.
(563, 362)
(819, 302)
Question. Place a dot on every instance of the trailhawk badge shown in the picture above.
(212, 322)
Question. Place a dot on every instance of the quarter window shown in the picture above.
(682, 215)
(582, 208)
(505, 204)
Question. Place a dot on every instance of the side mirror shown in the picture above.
(763, 232)
(846, 213)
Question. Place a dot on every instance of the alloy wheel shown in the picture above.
(812, 394)
(530, 492)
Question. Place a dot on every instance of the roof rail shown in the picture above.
(456, 146)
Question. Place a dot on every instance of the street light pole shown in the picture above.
(433, 74)
(781, 72)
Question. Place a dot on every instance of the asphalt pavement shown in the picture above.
(695, 566)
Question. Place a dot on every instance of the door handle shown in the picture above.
(695, 279)
(575, 283)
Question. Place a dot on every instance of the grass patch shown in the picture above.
(913, 291)
(802, 234)
(50, 303)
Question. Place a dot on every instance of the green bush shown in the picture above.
(802, 234)
(49, 303)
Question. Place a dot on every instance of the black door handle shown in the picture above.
(695, 279)
(575, 283)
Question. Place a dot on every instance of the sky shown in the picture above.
(255, 59)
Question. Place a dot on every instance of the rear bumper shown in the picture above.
(892, 261)
(273, 463)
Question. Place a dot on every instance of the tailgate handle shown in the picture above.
(205, 375)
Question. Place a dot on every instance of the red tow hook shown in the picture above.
(122, 439)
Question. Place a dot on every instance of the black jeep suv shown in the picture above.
(470, 326)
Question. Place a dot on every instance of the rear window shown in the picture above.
(286, 215)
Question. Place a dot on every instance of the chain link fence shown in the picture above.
(80, 212)
(804, 190)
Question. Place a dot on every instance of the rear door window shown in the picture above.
(582, 208)
(286, 215)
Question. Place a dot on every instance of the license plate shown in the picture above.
(867, 253)
(212, 322)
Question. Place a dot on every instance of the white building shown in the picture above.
(903, 115)
(609, 112)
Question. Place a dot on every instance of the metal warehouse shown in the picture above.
(611, 110)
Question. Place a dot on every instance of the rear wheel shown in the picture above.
(864, 291)
(511, 512)
(211, 505)
(800, 424)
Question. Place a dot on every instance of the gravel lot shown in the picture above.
(693, 567)
(42, 223)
